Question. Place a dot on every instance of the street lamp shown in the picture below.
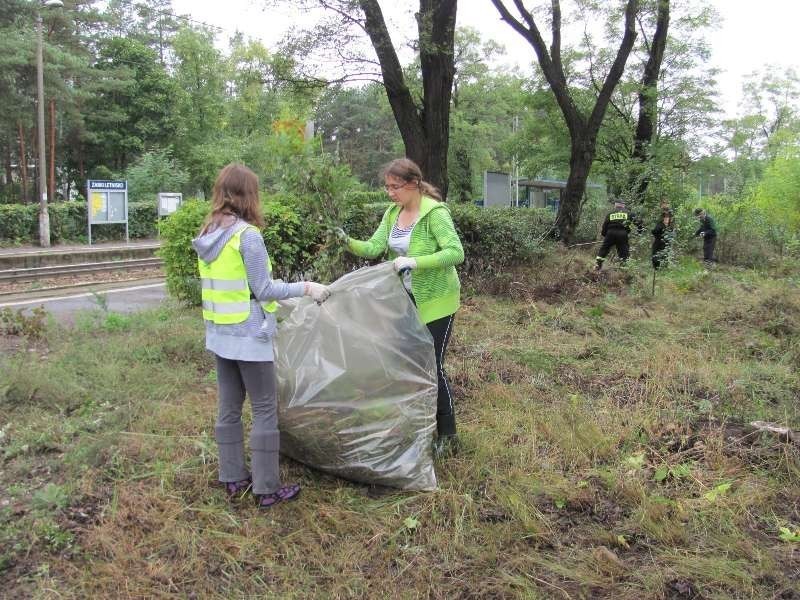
(44, 216)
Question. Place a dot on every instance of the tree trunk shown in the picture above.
(51, 185)
(569, 210)
(648, 102)
(436, 21)
(9, 175)
(23, 163)
(425, 130)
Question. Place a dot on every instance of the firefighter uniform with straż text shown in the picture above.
(616, 227)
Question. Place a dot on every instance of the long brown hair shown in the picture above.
(407, 170)
(235, 195)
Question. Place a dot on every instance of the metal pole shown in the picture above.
(44, 216)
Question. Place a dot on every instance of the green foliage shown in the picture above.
(297, 237)
(180, 261)
(776, 196)
(497, 238)
(744, 233)
(153, 172)
(357, 127)
(51, 497)
(789, 535)
(131, 107)
(19, 223)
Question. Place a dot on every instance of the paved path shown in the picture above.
(123, 300)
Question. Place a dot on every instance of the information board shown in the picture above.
(107, 202)
(168, 203)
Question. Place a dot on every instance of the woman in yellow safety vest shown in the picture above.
(239, 296)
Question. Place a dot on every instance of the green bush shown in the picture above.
(362, 197)
(493, 239)
(153, 172)
(180, 261)
(19, 223)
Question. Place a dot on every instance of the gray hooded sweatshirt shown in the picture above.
(250, 340)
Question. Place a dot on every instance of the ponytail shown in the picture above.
(430, 190)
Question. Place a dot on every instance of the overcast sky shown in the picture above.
(751, 35)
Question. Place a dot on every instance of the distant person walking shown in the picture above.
(238, 295)
(663, 236)
(707, 231)
(615, 231)
(418, 234)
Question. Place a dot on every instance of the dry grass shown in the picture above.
(602, 457)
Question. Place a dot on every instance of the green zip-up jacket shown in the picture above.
(435, 245)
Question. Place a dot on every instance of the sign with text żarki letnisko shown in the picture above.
(106, 202)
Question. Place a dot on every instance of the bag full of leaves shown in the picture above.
(357, 382)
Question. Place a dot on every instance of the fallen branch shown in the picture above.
(784, 433)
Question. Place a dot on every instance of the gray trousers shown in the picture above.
(234, 377)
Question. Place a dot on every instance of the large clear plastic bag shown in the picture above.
(357, 383)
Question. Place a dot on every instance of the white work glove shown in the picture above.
(401, 263)
(318, 292)
(340, 235)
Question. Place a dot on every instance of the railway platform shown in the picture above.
(20, 257)
(30, 273)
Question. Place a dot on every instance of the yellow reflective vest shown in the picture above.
(225, 293)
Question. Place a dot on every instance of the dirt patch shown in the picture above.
(625, 389)
(581, 286)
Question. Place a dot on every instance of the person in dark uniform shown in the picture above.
(616, 227)
(663, 235)
(707, 231)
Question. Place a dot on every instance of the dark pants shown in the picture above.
(660, 251)
(614, 238)
(708, 248)
(445, 414)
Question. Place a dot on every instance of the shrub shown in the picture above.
(153, 172)
(493, 239)
(180, 261)
(19, 223)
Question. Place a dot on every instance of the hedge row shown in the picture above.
(19, 223)
(493, 239)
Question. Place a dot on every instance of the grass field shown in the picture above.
(605, 453)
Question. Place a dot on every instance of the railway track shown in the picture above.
(34, 273)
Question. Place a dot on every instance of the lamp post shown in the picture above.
(44, 216)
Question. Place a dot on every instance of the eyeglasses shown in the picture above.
(393, 187)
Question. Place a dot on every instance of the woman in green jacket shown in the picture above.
(418, 234)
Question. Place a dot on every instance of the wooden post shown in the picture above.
(51, 186)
